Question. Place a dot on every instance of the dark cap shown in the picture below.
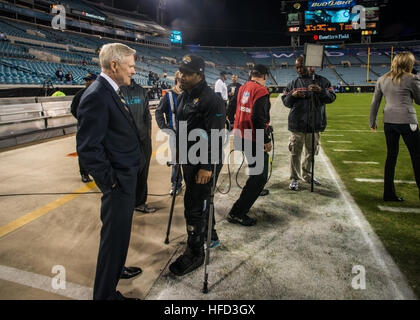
(192, 63)
(260, 68)
(223, 73)
(90, 76)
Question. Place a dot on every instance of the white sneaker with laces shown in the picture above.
(316, 182)
(294, 185)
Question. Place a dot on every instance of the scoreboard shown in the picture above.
(332, 20)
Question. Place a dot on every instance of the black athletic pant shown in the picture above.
(253, 187)
(412, 141)
(141, 190)
(196, 206)
(116, 215)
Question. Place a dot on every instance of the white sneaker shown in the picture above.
(316, 182)
(294, 185)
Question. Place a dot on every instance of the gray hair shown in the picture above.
(114, 52)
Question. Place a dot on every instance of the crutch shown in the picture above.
(209, 231)
(171, 213)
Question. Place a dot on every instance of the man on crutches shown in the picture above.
(200, 111)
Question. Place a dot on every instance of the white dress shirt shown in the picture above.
(221, 87)
(111, 82)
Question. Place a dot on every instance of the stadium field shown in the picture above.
(357, 153)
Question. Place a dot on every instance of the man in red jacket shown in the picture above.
(252, 115)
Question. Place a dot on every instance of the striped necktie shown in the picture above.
(123, 100)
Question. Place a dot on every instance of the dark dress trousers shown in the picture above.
(109, 146)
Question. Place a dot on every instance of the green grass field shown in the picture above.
(399, 232)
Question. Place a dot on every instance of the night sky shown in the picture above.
(256, 23)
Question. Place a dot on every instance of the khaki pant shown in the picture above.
(296, 143)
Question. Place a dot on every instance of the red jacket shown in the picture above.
(248, 94)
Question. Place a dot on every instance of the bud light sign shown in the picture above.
(330, 4)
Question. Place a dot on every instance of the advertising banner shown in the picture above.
(330, 4)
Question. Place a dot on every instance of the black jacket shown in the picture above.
(108, 143)
(300, 117)
(75, 102)
(261, 116)
(137, 101)
(202, 109)
(231, 108)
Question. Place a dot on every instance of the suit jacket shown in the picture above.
(108, 143)
(399, 100)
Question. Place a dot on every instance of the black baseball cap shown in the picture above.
(223, 73)
(192, 63)
(261, 69)
(90, 76)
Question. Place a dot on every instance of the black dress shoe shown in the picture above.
(264, 193)
(119, 296)
(130, 272)
(393, 199)
(145, 208)
(86, 178)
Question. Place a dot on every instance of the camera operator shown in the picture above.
(298, 97)
(200, 108)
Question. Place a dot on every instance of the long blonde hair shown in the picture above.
(176, 88)
(402, 64)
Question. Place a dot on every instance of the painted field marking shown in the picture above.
(382, 181)
(353, 115)
(399, 210)
(332, 130)
(332, 135)
(360, 162)
(342, 150)
(38, 281)
(340, 142)
(37, 213)
(379, 252)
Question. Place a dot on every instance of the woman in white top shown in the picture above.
(400, 87)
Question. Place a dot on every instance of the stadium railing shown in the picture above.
(24, 120)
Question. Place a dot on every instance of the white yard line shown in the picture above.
(361, 162)
(363, 131)
(343, 150)
(400, 287)
(382, 181)
(38, 281)
(354, 115)
(399, 210)
(339, 141)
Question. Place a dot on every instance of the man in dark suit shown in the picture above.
(109, 146)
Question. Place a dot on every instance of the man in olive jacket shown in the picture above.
(298, 97)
